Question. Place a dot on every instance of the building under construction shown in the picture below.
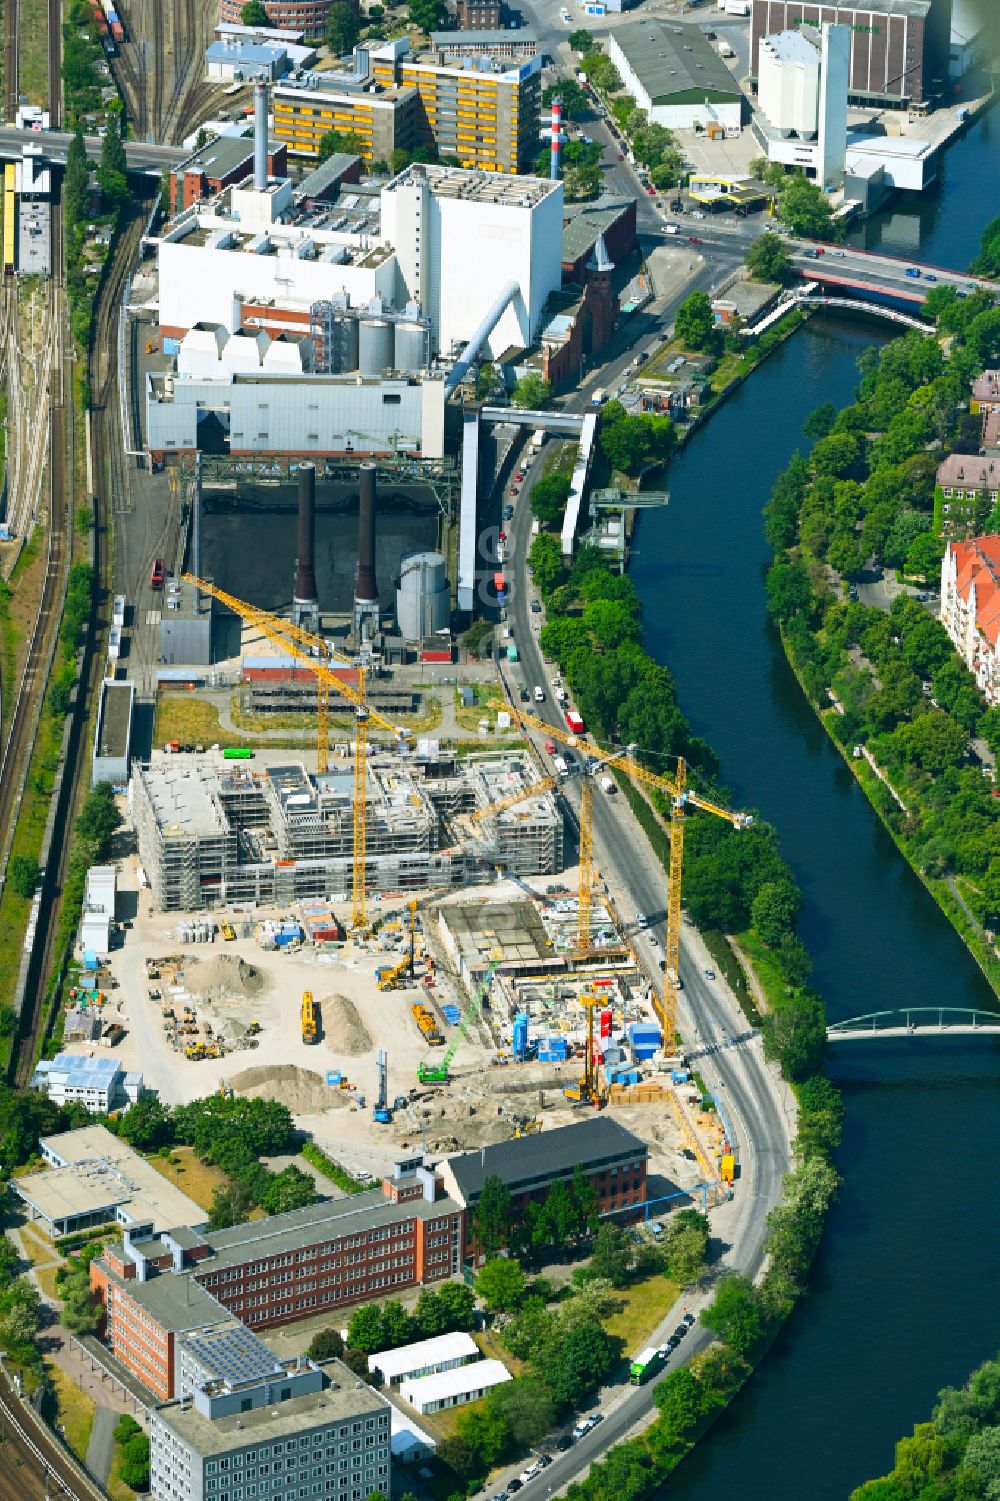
(210, 834)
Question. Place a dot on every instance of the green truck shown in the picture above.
(645, 1365)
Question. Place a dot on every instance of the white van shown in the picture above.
(539, 695)
(608, 785)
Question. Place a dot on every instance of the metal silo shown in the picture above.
(423, 596)
(375, 346)
(411, 347)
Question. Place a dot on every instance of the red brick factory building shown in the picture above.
(899, 48)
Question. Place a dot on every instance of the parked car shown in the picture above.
(536, 608)
(680, 1331)
(688, 1319)
(544, 1460)
(710, 974)
(525, 696)
(513, 1485)
(519, 476)
(694, 240)
(508, 512)
(564, 1442)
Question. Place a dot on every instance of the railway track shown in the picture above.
(167, 97)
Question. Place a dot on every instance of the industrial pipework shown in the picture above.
(305, 595)
(458, 371)
(260, 136)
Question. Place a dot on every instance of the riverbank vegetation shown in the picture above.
(884, 676)
(954, 1457)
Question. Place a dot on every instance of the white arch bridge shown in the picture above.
(858, 305)
(916, 1021)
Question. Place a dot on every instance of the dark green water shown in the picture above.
(902, 1299)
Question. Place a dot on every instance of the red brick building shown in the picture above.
(309, 16)
(219, 164)
(611, 1158)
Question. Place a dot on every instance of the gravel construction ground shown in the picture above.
(235, 984)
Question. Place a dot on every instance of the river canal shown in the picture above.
(901, 1302)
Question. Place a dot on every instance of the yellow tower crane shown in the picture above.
(315, 652)
(679, 794)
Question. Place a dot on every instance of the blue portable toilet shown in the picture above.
(520, 1036)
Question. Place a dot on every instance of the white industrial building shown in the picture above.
(802, 93)
(426, 1357)
(302, 414)
(465, 241)
(98, 911)
(675, 75)
(455, 1387)
(100, 1085)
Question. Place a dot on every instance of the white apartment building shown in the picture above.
(970, 608)
(100, 1085)
(245, 1435)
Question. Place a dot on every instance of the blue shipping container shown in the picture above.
(170, 346)
(520, 1034)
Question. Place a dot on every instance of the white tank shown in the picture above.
(423, 595)
(375, 346)
(411, 347)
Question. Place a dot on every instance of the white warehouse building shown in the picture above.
(679, 80)
(455, 1387)
(426, 1357)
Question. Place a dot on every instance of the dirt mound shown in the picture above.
(304, 1092)
(225, 974)
(345, 1032)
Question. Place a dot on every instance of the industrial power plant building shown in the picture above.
(208, 837)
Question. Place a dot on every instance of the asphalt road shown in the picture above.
(730, 1057)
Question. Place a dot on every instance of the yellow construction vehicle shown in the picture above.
(227, 930)
(530, 1128)
(317, 654)
(589, 1087)
(310, 1030)
(428, 1026)
(388, 979)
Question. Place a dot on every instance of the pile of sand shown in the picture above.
(304, 1092)
(345, 1032)
(226, 974)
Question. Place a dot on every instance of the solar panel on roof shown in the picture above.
(235, 1355)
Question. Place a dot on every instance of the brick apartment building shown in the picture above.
(159, 1290)
(309, 16)
(899, 48)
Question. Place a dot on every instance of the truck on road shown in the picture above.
(645, 1365)
(575, 722)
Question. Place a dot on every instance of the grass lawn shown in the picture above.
(43, 1257)
(197, 1179)
(729, 965)
(116, 1487)
(182, 716)
(75, 1410)
(765, 967)
(33, 52)
(646, 1303)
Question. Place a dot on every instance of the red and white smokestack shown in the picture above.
(556, 139)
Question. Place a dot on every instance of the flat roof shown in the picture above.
(547, 1153)
(667, 64)
(477, 187)
(517, 36)
(233, 1353)
(184, 806)
(791, 47)
(887, 146)
(100, 1172)
(302, 1227)
(116, 718)
(424, 1352)
(327, 172)
(344, 1397)
(245, 52)
(513, 928)
(175, 1302)
(456, 1382)
(79, 1070)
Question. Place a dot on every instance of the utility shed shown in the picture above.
(113, 737)
(426, 1357)
(679, 80)
(454, 1388)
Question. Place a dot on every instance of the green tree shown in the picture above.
(695, 321)
(686, 1247)
(934, 741)
(735, 1314)
(253, 13)
(527, 1408)
(578, 1364)
(24, 873)
(343, 27)
(820, 421)
(678, 1398)
(532, 392)
(76, 180)
(549, 496)
(334, 141)
(602, 73)
(805, 208)
(364, 1328)
(486, 379)
(581, 40)
(491, 1216)
(501, 1283)
(795, 1035)
(146, 1125)
(789, 591)
(113, 168)
(923, 558)
(458, 1303)
(575, 102)
(546, 562)
(289, 1189)
(427, 14)
(8, 1020)
(774, 910)
(98, 821)
(82, 1310)
(768, 259)
(326, 1344)
(612, 1258)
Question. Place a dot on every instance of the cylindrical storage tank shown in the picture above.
(423, 597)
(375, 346)
(411, 347)
(347, 343)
